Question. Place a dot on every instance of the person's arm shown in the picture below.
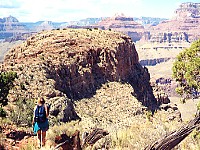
(34, 114)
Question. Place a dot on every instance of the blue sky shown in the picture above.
(71, 10)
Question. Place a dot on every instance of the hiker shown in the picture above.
(40, 121)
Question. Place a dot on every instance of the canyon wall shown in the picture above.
(186, 20)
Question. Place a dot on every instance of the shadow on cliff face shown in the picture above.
(62, 109)
(139, 79)
(75, 85)
(78, 86)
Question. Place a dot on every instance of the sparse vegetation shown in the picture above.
(22, 112)
(2, 112)
(198, 106)
(22, 86)
(6, 83)
(41, 57)
(2, 137)
(31, 145)
(148, 115)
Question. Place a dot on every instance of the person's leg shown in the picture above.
(39, 137)
(43, 137)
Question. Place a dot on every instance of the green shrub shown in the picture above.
(22, 86)
(198, 106)
(22, 113)
(6, 83)
(148, 115)
(186, 69)
(2, 112)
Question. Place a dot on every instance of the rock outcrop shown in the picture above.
(74, 63)
(153, 62)
(167, 37)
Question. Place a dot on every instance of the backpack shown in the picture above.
(40, 114)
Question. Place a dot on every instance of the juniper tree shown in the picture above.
(186, 69)
(6, 83)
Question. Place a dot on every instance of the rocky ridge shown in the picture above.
(74, 63)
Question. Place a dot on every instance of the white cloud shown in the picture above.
(65, 10)
(68, 10)
(9, 4)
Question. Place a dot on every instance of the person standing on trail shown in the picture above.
(40, 121)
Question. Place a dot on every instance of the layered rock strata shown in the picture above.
(10, 26)
(188, 9)
(185, 24)
(123, 24)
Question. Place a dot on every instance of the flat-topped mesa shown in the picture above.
(120, 22)
(123, 24)
(76, 62)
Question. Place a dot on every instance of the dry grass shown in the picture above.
(137, 136)
(113, 107)
(134, 137)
